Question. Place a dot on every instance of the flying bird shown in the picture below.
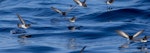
(23, 24)
(83, 4)
(62, 12)
(144, 39)
(123, 34)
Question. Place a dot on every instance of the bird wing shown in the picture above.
(20, 18)
(138, 33)
(123, 34)
(81, 51)
(78, 2)
(57, 10)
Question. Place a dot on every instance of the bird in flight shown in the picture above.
(23, 24)
(123, 34)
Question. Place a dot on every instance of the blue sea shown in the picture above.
(94, 28)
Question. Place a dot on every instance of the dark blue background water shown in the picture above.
(50, 33)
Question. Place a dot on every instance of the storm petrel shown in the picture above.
(123, 34)
(23, 24)
(144, 39)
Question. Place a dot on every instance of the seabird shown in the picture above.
(123, 34)
(144, 39)
(23, 24)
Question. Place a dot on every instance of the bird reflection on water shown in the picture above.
(17, 31)
(72, 43)
(109, 3)
(72, 28)
(23, 39)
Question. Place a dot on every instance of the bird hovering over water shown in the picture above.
(109, 2)
(62, 12)
(123, 34)
(83, 4)
(23, 24)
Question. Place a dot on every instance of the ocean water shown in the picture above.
(95, 26)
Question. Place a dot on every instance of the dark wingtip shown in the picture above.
(83, 49)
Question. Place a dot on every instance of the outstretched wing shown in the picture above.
(123, 34)
(55, 9)
(20, 18)
(138, 33)
(78, 2)
(82, 49)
